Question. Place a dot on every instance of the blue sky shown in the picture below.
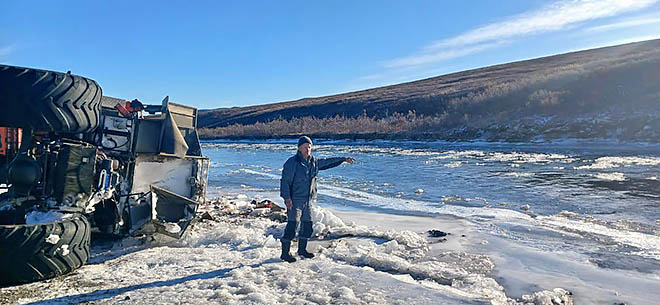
(213, 54)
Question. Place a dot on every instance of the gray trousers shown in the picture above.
(300, 212)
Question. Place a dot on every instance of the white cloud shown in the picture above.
(621, 41)
(553, 17)
(628, 23)
(441, 54)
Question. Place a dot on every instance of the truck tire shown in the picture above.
(37, 252)
(48, 101)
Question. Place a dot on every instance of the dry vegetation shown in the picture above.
(397, 124)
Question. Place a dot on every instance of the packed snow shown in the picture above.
(234, 259)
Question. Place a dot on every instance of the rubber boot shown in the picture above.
(302, 249)
(286, 245)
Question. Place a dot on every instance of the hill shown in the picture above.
(610, 92)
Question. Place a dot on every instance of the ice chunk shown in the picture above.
(391, 246)
(154, 201)
(271, 242)
(453, 164)
(64, 250)
(549, 297)
(614, 162)
(611, 176)
(345, 295)
(52, 239)
(171, 227)
(257, 297)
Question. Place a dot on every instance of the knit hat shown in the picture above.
(303, 140)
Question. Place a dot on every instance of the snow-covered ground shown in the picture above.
(362, 258)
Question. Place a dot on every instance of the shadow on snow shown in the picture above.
(110, 293)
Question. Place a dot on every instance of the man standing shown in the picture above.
(298, 188)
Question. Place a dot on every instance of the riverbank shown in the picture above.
(613, 126)
(231, 257)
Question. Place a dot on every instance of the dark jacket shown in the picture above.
(299, 176)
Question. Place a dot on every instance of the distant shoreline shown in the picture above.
(612, 124)
(360, 138)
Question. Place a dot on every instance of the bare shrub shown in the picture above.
(397, 123)
(546, 98)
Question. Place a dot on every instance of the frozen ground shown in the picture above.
(362, 258)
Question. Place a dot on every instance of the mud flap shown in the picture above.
(171, 213)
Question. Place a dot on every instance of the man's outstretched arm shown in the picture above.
(332, 162)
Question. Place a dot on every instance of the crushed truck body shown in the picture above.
(73, 161)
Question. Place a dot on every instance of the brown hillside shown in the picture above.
(625, 77)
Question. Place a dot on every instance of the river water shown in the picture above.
(597, 201)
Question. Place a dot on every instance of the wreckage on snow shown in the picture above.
(73, 161)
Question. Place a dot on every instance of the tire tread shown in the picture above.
(34, 259)
(49, 101)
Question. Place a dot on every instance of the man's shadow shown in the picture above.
(113, 292)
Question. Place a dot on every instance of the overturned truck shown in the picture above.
(73, 161)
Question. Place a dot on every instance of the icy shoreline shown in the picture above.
(233, 259)
(558, 142)
(546, 217)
